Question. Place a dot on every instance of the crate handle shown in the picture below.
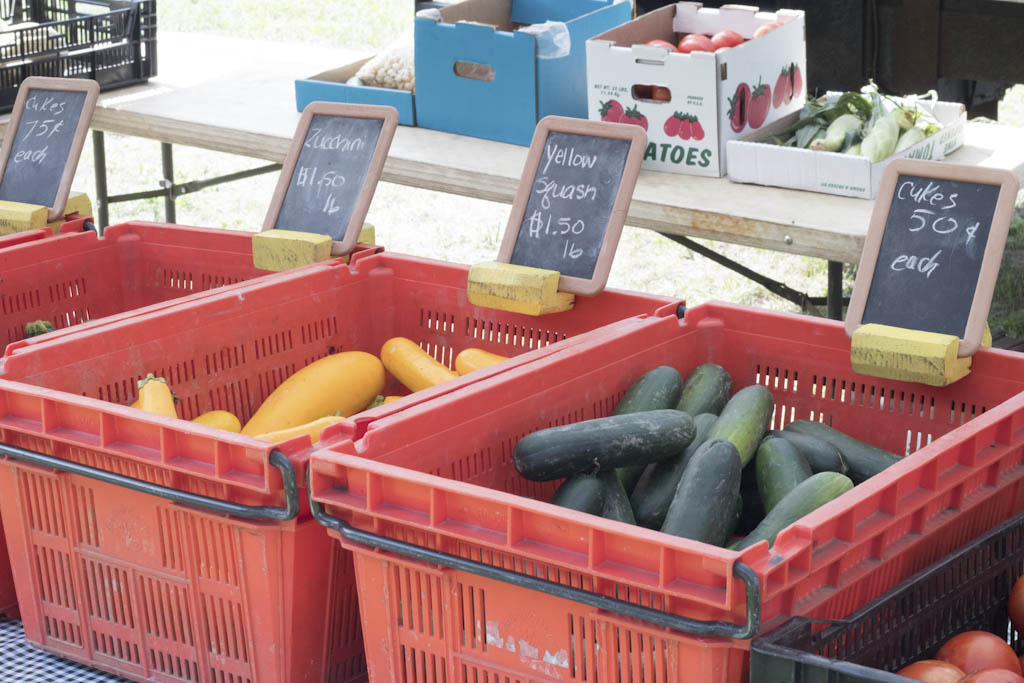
(276, 458)
(628, 609)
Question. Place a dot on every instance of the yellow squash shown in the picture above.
(412, 366)
(156, 397)
(469, 360)
(311, 429)
(220, 419)
(391, 399)
(343, 383)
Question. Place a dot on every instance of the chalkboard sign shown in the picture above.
(572, 200)
(44, 141)
(331, 171)
(933, 250)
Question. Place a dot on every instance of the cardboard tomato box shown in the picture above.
(753, 161)
(493, 68)
(692, 104)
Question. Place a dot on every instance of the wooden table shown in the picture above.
(238, 97)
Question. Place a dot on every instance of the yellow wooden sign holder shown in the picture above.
(19, 217)
(909, 355)
(278, 250)
(517, 289)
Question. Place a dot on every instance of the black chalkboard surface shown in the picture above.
(572, 200)
(933, 250)
(44, 140)
(931, 254)
(331, 171)
(570, 203)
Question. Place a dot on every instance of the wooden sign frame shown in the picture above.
(389, 116)
(998, 231)
(92, 92)
(637, 138)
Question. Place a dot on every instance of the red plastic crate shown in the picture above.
(440, 476)
(96, 566)
(75, 277)
(79, 277)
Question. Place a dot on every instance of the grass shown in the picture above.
(410, 220)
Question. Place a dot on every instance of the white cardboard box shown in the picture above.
(701, 84)
(751, 161)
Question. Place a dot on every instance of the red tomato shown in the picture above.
(798, 81)
(760, 102)
(764, 28)
(686, 127)
(783, 89)
(671, 126)
(932, 671)
(726, 38)
(739, 103)
(993, 676)
(696, 130)
(634, 117)
(1016, 606)
(661, 93)
(611, 111)
(695, 42)
(658, 42)
(977, 650)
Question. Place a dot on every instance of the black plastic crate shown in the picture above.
(967, 591)
(112, 42)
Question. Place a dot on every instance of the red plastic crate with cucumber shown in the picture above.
(780, 488)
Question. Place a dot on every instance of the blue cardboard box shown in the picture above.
(477, 75)
(331, 86)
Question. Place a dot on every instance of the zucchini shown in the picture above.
(656, 389)
(821, 455)
(744, 420)
(706, 490)
(807, 497)
(864, 460)
(584, 492)
(602, 444)
(706, 390)
(616, 502)
(656, 489)
(780, 468)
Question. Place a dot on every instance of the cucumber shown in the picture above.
(706, 490)
(656, 489)
(584, 492)
(656, 389)
(864, 460)
(603, 444)
(753, 508)
(780, 468)
(733, 514)
(821, 455)
(706, 390)
(744, 420)
(807, 497)
(616, 502)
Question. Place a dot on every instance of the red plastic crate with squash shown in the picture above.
(526, 590)
(75, 277)
(155, 585)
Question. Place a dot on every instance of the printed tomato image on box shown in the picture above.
(695, 78)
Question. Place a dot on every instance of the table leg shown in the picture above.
(835, 290)
(99, 154)
(167, 155)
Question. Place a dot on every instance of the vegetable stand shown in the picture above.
(261, 595)
(238, 97)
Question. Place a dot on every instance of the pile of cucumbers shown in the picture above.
(674, 456)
